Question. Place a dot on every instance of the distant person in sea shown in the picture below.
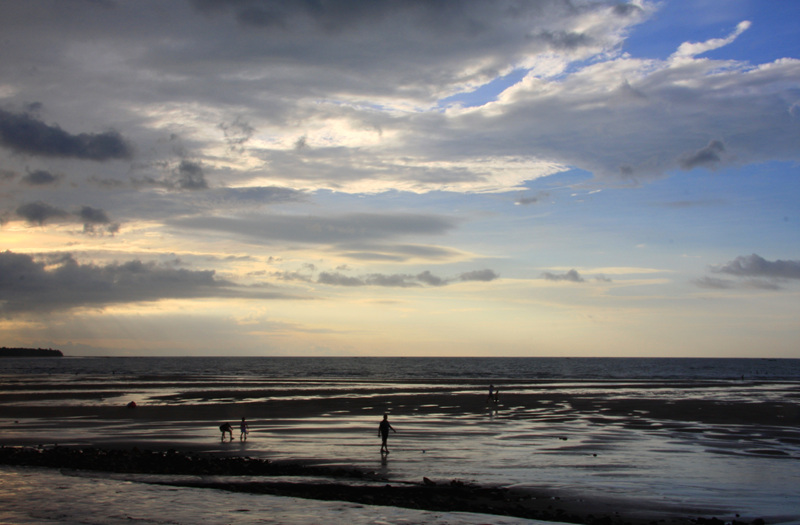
(383, 432)
(490, 398)
(243, 430)
(226, 427)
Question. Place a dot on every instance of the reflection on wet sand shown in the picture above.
(666, 442)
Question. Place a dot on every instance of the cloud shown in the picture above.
(339, 279)
(425, 278)
(528, 200)
(187, 175)
(479, 275)
(373, 110)
(692, 49)
(361, 251)
(751, 271)
(756, 266)
(709, 156)
(23, 133)
(431, 280)
(237, 133)
(714, 283)
(40, 212)
(190, 176)
(323, 229)
(59, 282)
(571, 276)
(40, 178)
(93, 217)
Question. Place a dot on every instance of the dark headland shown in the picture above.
(30, 352)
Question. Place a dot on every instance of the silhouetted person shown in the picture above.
(226, 427)
(383, 432)
(490, 398)
(243, 430)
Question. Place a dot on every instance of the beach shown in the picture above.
(622, 451)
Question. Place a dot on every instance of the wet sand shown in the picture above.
(546, 451)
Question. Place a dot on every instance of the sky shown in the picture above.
(400, 178)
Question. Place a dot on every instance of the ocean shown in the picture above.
(698, 437)
(400, 368)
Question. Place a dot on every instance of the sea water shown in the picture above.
(397, 368)
(689, 467)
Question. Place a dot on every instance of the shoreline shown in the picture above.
(258, 476)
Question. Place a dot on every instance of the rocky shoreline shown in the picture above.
(334, 483)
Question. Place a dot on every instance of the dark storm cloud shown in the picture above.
(59, 282)
(40, 178)
(707, 157)
(571, 276)
(40, 212)
(337, 15)
(411, 48)
(756, 266)
(25, 134)
(334, 16)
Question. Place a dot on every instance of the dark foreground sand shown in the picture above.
(324, 483)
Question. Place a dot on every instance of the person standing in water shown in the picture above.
(383, 432)
(226, 427)
(243, 430)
